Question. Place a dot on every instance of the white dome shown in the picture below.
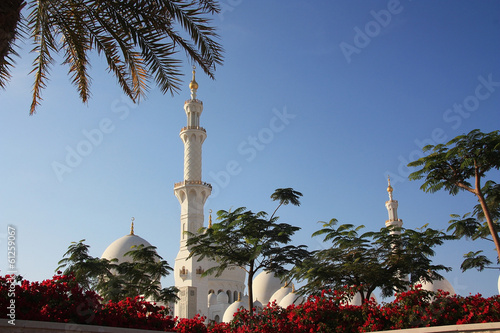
(279, 294)
(222, 298)
(119, 247)
(265, 285)
(291, 298)
(232, 309)
(212, 299)
(257, 306)
(436, 285)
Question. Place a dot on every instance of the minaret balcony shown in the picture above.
(193, 127)
(192, 182)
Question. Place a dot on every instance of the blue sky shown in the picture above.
(325, 97)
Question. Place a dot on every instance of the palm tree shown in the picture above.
(139, 40)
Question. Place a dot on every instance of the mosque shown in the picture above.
(218, 298)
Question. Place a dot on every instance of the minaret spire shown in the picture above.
(193, 85)
(392, 208)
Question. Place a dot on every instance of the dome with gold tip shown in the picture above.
(121, 246)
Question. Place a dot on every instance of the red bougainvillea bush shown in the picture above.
(328, 313)
(62, 300)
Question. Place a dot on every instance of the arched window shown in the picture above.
(217, 319)
(229, 296)
(235, 295)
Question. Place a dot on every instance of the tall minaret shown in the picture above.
(192, 193)
(392, 209)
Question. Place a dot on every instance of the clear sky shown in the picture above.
(326, 97)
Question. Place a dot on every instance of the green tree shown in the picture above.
(139, 40)
(250, 241)
(390, 259)
(88, 271)
(141, 275)
(113, 281)
(473, 226)
(461, 165)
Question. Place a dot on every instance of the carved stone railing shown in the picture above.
(193, 100)
(192, 182)
(193, 127)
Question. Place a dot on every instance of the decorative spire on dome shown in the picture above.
(132, 225)
(193, 85)
(210, 219)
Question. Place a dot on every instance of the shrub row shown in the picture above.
(61, 299)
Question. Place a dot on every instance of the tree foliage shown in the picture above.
(390, 259)
(116, 281)
(462, 165)
(138, 39)
(249, 240)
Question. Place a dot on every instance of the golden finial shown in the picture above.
(239, 297)
(193, 85)
(389, 188)
(132, 226)
(210, 219)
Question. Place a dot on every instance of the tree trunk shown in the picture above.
(489, 220)
(250, 288)
(10, 16)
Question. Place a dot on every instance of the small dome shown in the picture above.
(265, 285)
(212, 299)
(436, 285)
(119, 247)
(232, 309)
(291, 298)
(257, 306)
(222, 298)
(279, 294)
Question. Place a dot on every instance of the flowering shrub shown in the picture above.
(330, 313)
(61, 299)
(194, 325)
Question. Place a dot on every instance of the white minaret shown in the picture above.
(392, 209)
(192, 193)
